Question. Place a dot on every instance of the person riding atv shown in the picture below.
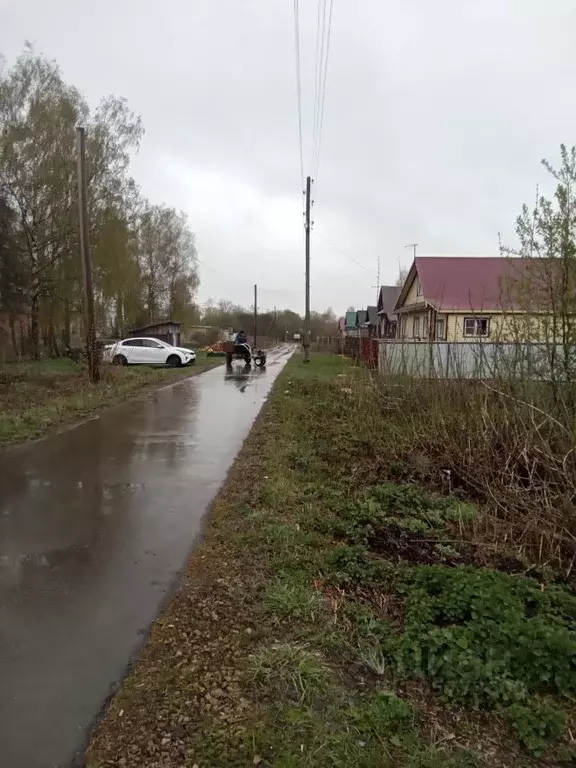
(241, 338)
(240, 349)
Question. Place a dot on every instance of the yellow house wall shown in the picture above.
(412, 295)
(509, 327)
(408, 328)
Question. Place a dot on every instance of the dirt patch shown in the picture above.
(398, 544)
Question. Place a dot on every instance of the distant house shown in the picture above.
(454, 298)
(351, 323)
(362, 322)
(387, 321)
(168, 331)
(372, 320)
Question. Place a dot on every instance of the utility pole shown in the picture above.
(377, 286)
(307, 308)
(90, 325)
(255, 314)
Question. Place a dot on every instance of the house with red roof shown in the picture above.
(469, 298)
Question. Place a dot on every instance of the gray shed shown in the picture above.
(167, 330)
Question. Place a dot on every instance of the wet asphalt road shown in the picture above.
(95, 524)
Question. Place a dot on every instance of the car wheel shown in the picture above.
(173, 361)
(119, 360)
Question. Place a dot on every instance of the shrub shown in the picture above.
(406, 506)
(485, 638)
(353, 565)
(536, 725)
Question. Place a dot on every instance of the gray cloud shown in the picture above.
(437, 115)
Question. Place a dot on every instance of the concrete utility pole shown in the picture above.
(90, 325)
(377, 286)
(255, 314)
(307, 308)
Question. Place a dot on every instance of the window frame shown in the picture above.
(152, 344)
(441, 336)
(419, 291)
(476, 320)
(416, 327)
(132, 343)
(425, 328)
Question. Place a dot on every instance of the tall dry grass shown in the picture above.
(507, 443)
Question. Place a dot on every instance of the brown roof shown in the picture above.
(475, 282)
(143, 328)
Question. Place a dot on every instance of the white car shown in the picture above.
(146, 351)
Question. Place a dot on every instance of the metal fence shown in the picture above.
(467, 360)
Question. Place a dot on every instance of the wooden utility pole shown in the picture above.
(307, 307)
(89, 322)
(255, 314)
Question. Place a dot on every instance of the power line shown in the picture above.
(318, 69)
(323, 93)
(299, 86)
(346, 255)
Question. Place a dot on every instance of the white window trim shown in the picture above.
(416, 328)
(441, 337)
(475, 333)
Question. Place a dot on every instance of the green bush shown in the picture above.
(484, 638)
(406, 506)
(353, 565)
(536, 725)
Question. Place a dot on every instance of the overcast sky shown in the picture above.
(437, 115)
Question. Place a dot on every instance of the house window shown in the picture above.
(416, 328)
(425, 327)
(419, 290)
(441, 328)
(476, 326)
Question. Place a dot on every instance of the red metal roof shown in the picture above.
(469, 282)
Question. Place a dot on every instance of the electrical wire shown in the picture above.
(346, 255)
(318, 69)
(323, 94)
(299, 86)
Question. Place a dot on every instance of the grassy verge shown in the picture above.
(334, 618)
(38, 396)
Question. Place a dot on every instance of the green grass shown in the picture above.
(346, 620)
(321, 366)
(37, 396)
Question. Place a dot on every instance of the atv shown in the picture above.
(245, 353)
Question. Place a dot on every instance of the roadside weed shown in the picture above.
(290, 670)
